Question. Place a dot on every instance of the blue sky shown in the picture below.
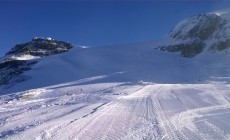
(95, 23)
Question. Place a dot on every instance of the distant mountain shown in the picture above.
(21, 58)
(209, 31)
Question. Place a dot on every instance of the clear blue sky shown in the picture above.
(95, 23)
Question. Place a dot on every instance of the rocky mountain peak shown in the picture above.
(201, 26)
(40, 47)
(191, 36)
(22, 57)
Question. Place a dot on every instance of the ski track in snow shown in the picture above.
(118, 111)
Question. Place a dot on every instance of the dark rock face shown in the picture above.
(41, 47)
(11, 70)
(220, 46)
(187, 50)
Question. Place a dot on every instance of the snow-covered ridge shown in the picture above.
(212, 30)
(201, 26)
(223, 13)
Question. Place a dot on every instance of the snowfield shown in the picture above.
(122, 92)
(117, 111)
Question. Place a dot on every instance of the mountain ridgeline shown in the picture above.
(40, 47)
(23, 56)
(193, 35)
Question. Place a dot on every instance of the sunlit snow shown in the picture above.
(24, 57)
(126, 92)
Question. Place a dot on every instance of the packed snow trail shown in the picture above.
(118, 111)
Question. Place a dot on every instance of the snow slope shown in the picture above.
(122, 92)
(131, 63)
(118, 111)
(132, 91)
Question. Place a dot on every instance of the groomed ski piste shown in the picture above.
(118, 111)
(146, 95)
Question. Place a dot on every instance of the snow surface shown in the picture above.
(117, 111)
(24, 57)
(120, 92)
(49, 38)
(132, 91)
